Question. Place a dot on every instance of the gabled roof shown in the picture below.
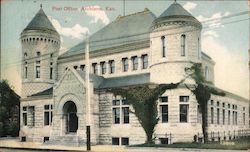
(124, 30)
(40, 21)
(46, 92)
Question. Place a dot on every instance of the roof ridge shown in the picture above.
(146, 10)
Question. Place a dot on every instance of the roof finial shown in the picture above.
(41, 6)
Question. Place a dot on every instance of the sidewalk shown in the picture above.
(16, 144)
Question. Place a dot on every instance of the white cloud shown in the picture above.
(190, 6)
(75, 32)
(231, 69)
(214, 20)
(211, 33)
(97, 13)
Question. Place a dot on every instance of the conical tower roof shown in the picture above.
(40, 21)
(176, 11)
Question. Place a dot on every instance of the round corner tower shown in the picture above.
(40, 47)
(175, 44)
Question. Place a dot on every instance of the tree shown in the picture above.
(144, 102)
(202, 92)
(9, 110)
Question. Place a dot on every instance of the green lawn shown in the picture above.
(240, 144)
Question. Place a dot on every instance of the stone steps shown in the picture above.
(67, 140)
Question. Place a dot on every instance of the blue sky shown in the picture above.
(225, 39)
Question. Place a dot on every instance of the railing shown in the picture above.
(222, 136)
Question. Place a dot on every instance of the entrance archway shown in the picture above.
(70, 115)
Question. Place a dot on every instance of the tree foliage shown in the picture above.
(9, 110)
(144, 102)
(202, 92)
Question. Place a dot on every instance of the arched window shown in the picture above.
(38, 53)
(163, 42)
(51, 70)
(183, 45)
(25, 54)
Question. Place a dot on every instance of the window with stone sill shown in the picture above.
(24, 116)
(94, 68)
(120, 111)
(103, 67)
(183, 45)
(212, 115)
(125, 64)
(144, 58)
(135, 62)
(184, 108)
(163, 43)
(111, 66)
(163, 109)
(48, 114)
(32, 115)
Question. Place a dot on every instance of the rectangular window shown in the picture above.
(94, 68)
(184, 108)
(25, 116)
(164, 99)
(183, 45)
(233, 118)
(37, 71)
(111, 66)
(244, 118)
(82, 67)
(115, 141)
(229, 115)
(144, 61)
(223, 116)
(125, 141)
(163, 42)
(103, 67)
(183, 113)
(164, 113)
(212, 115)
(48, 114)
(26, 72)
(120, 111)
(125, 111)
(184, 98)
(135, 62)
(125, 64)
(218, 116)
(51, 73)
(163, 140)
(236, 118)
(32, 115)
(116, 115)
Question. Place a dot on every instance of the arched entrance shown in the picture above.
(70, 115)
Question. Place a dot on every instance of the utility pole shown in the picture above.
(88, 102)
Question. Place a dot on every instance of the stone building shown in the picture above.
(132, 50)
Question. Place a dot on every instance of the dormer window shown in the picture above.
(183, 45)
(163, 42)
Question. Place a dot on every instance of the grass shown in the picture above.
(240, 144)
